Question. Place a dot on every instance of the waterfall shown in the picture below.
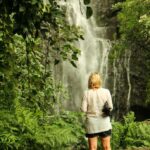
(127, 65)
(94, 53)
(115, 79)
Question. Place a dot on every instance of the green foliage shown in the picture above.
(29, 130)
(117, 133)
(33, 36)
(130, 134)
(134, 23)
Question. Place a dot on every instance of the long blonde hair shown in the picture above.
(94, 81)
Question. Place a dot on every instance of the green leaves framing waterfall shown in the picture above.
(134, 23)
(134, 37)
(34, 35)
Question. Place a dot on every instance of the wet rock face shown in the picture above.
(105, 16)
(103, 10)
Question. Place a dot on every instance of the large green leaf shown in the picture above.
(86, 2)
(89, 12)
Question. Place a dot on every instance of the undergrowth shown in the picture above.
(28, 130)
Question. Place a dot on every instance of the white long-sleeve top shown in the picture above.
(93, 101)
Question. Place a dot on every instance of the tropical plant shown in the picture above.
(34, 35)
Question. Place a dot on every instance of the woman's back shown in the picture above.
(94, 99)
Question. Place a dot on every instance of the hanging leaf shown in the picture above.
(82, 37)
(86, 2)
(89, 12)
(73, 63)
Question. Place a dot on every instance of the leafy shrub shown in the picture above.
(34, 35)
(27, 130)
(130, 133)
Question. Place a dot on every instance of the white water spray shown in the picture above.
(94, 53)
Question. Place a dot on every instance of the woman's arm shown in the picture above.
(84, 102)
(109, 98)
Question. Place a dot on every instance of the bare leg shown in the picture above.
(106, 143)
(92, 143)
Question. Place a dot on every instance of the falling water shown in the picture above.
(94, 53)
(127, 66)
(115, 79)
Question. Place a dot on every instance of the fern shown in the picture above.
(130, 133)
(117, 133)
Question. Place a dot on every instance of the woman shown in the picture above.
(96, 124)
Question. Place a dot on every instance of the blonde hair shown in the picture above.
(94, 81)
